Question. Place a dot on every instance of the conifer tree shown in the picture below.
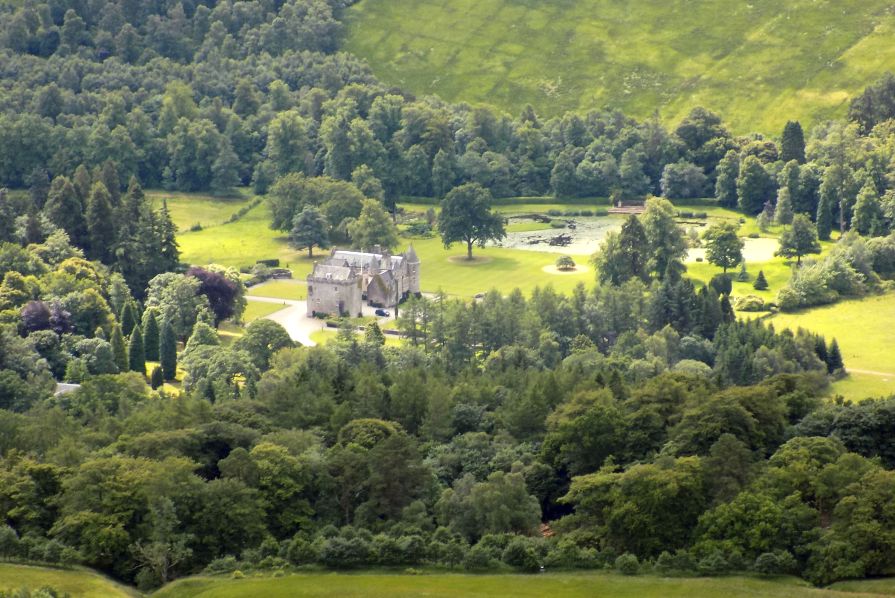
(119, 350)
(792, 144)
(168, 351)
(100, 224)
(66, 211)
(151, 335)
(824, 216)
(82, 183)
(169, 250)
(760, 283)
(834, 358)
(136, 354)
(127, 318)
(108, 175)
(156, 378)
(783, 212)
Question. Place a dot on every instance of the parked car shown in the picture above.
(382, 313)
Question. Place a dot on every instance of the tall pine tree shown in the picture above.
(792, 144)
(127, 317)
(168, 351)
(119, 349)
(65, 210)
(100, 224)
(150, 335)
(136, 353)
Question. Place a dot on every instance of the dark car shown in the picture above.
(382, 313)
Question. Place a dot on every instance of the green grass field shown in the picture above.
(257, 309)
(559, 585)
(756, 63)
(296, 290)
(77, 583)
(187, 209)
(865, 330)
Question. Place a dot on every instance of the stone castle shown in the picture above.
(341, 283)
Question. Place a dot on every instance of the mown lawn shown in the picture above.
(757, 63)
(188, 209)
(554, 585)
(77, 583)
(865, 331)
(258, 309)
(296, 290)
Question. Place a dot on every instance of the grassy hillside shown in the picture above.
(75, 583)
(561, 585)
(865, 330)
(757, 63)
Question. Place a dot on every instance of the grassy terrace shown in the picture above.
(756, 63)
(555, 585)
(77, 583)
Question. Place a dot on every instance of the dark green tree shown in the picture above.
(156, 379)
(65, 210)
(825, 216)
(168, 351)
(726, 184)
(723, 247)
(136, 353)
(100, 224)
(108, 176)
(151, 335)
(466, 216)
(127, 317)
(309, 228)
(834, 358)
(799, 239)
(792, 143)
(761, 282)
(754, 185)
(119, 349)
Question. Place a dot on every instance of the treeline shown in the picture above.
(199, 96)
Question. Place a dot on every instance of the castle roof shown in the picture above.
(333, 272)
(363, 260)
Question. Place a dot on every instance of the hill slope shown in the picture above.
(78, 583)
(757, 63)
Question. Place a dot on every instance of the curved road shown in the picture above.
(292, 317)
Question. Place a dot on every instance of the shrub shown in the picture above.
(587, 212)
(419, 229)
(753, 235)
(743, 274)
(627, 564)
(699, 259)
(712, 564)
(554, 212)
(196, 227)
(557, 224)
(760, 283)
(601, 213)
(749, 303)
(565, 263)
(238, 574)
(478, 558)
(227, 564)
(520, 554)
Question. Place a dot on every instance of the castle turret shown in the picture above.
(413, 270)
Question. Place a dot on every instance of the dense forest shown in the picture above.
(636, 423)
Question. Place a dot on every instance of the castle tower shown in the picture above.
(413, 270)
